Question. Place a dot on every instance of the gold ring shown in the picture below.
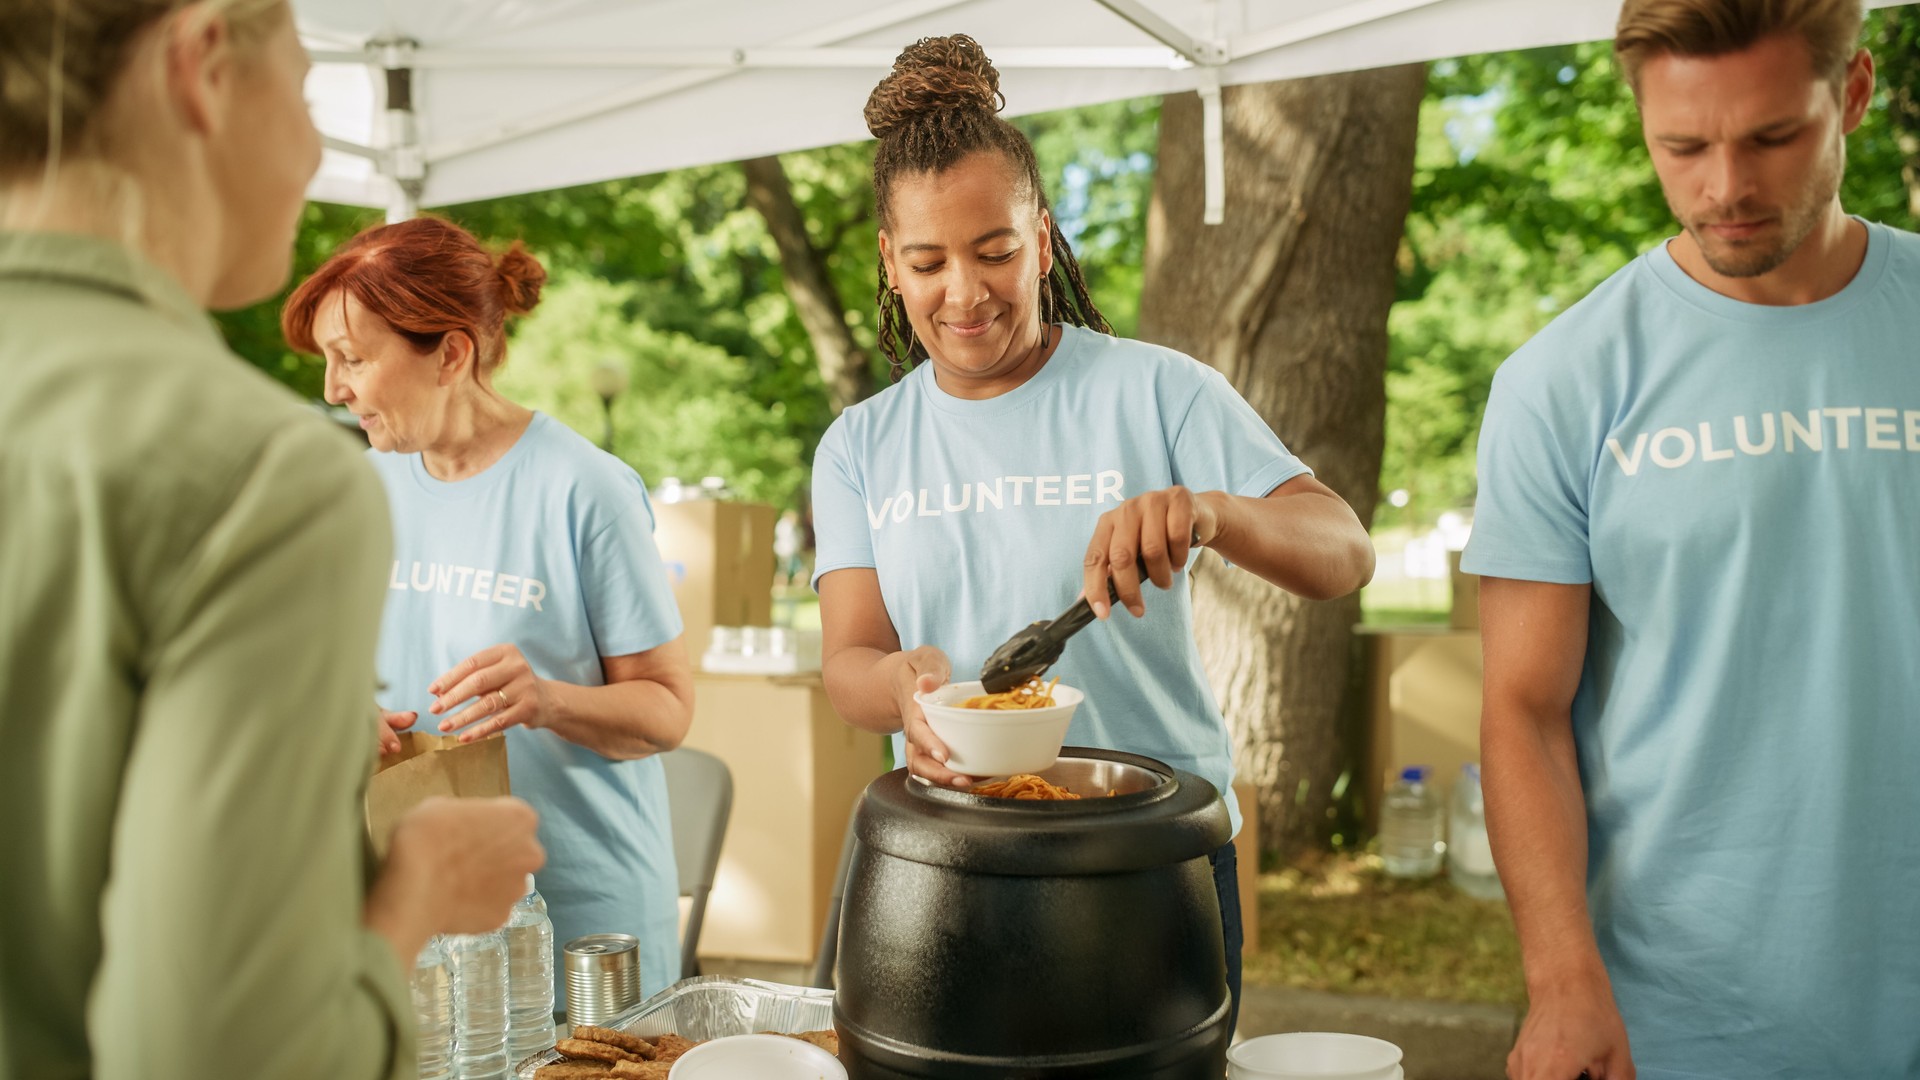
(502, 695)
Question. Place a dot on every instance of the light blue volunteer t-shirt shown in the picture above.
(551, 550)
(976, 516)
(1741, 486)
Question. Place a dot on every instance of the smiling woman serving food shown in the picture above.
(955, 506)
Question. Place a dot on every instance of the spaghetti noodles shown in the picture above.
(1022, 786)
(1032, 694)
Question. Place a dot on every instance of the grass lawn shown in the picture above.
(1337, 923)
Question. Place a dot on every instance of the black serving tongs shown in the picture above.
(1033, 650)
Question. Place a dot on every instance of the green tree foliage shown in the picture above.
(1532, 186)
(674, 277)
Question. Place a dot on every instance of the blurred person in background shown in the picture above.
(188, 612)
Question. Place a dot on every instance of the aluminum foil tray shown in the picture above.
(712, 1006)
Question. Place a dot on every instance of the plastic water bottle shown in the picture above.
(1469, 854)
(433, 1011)
(1411, 843)
(480, 1005)
(529, 976)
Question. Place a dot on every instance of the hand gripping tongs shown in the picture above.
(1032, 651)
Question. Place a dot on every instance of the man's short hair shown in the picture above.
(1649, 28)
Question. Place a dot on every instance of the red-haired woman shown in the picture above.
(526, 594)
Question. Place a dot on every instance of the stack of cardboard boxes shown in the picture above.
(797, 767)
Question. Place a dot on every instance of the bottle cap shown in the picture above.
(529, 891)
(1414, 774)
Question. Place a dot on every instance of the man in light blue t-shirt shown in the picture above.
(1698, 514)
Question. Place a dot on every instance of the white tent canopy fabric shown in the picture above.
(430, 102)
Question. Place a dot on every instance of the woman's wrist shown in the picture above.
(1221, 507)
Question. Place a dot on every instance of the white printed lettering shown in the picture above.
(1883, 429)
(1812, 436)
(482, 584)
(465, 572)
(1671, 461)
(414, 579)
(959, 496)
(1766, 434)
(1840, 417)
(394, 582)
(1913, 430)
(504, 589)
(1629, 464)
(1707, 452)
(532, 592)
(442, 578)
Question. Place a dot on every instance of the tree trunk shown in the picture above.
(1289, 300)
(843, 364)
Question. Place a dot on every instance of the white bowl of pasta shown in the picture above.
(1015, 733)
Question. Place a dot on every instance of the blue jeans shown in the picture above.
(1226, 881)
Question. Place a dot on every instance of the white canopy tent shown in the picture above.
(430, 102)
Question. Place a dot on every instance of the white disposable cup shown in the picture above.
(998, 742)
(761, 1057)
(1314, 1055)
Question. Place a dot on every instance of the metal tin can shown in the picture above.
(602, 977)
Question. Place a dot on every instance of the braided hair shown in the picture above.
(938, 107)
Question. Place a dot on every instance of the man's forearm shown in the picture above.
(1536, 816)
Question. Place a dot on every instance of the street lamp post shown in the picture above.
(609, 380)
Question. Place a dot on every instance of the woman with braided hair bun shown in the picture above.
(1020, 436)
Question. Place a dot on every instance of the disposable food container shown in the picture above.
(714, 1007)
(998, 742)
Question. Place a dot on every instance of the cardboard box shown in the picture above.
(1423, 705)
(719, 556)
(1246, 852)
(428, 765)
(798, 770)
(1465, 611)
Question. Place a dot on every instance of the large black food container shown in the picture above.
(995, 938)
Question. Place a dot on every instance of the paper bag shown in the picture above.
(428, 765)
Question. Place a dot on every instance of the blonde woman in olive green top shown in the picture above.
(190, 569)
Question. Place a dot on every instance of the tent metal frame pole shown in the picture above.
(1199, 51)
(587, 109)
(353, 148)
(402, 159)
(1345, 17)
(1147, 57)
